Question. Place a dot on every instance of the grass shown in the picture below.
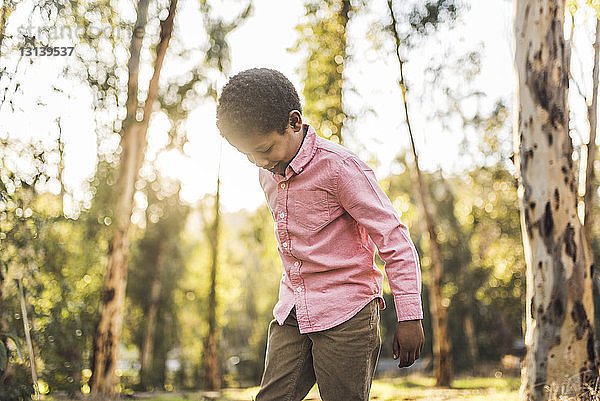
(409, 388)
(422, 388)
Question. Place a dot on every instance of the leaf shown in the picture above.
(572, 6)
(17, 345)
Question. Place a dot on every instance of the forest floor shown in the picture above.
(408, 388)
(414, 387)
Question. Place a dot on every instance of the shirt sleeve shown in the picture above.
(361, 196)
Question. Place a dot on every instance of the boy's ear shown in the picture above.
(296, 120)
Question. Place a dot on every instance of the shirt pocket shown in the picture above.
(311, 209)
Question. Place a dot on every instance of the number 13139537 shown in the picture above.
(47, 51)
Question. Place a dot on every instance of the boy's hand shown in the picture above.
(408, 342)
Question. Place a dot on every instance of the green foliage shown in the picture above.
(182, 93)
(20, 388)
(4, 350)
(21, 224)
(157, 258)
(323, 37)
(65, 294)
(60, 261)
(3, 192)
(3, 356)
(425, 17)
(574, 5)
(252, 254)
(478, 228)
(64, 297)
(417, 20)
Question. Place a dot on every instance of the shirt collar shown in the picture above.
(306, 152)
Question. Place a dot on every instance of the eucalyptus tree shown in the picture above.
(133, 143)
(560, 360)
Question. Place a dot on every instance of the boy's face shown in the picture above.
(272, 151)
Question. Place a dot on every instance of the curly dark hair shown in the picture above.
(256, 101)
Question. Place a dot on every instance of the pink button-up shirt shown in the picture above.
(330, 213)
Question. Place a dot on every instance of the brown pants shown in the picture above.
(341, 360)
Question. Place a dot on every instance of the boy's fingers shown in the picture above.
(395, 348)
(408, 358)
(404, 361)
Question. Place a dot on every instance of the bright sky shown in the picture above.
(263, 41)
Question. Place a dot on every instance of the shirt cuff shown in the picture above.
(408, 306)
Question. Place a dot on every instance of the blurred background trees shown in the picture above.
(59, 253)
(323, 38)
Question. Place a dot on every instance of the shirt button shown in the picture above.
(283, 185)
(296, 264)
(282, 215)
(285, 244)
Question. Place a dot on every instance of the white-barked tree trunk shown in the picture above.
(560, 357)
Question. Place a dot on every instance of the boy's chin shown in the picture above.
(276, 169)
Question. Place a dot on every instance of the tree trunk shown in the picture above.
(108, 329)
(504, 342)
(590, 177)
(464, 258)
(169, 332)
(27, 330)
(441, 344)
(133, 143)
(5, 375)
(212, 378)
(148, 343)
(559, 338)
(60, 144)
(471, 338)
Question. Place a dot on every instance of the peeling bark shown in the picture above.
(592, 112)
(559, 289)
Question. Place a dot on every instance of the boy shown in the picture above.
(329, 214)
